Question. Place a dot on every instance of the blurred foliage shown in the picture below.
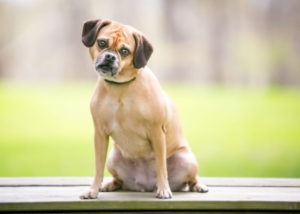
(245, 42)
(46, 130)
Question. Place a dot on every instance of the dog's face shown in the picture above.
(118, 51)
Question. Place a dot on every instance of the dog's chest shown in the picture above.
(125, 124)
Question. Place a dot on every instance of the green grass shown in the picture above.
(46, 130)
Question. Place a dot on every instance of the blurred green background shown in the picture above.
(48, 131)
(231, 67)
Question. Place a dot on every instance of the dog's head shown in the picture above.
(118, 51)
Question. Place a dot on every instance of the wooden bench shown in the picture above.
(233, 195)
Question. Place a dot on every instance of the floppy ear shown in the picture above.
(143, 51)
(90, 31)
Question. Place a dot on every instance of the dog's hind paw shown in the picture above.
(199, 188)
(111, 186)
(90, 194)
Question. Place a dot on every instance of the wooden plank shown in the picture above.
(65, 198)
(156, 212)
(252, 182)
(210, 181)
(46, 181)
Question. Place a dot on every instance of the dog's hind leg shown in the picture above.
(115, 183)
(182, 171)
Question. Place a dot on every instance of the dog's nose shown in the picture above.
(110, 57)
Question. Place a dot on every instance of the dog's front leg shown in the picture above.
(158, 141)
(101, 145)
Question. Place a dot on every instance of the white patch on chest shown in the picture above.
(113, 106)
(126, 131)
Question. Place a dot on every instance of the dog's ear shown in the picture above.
(143, 51)
(90, 31)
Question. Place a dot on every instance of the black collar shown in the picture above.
(119, 83)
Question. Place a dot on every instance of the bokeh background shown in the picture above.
(231, 67)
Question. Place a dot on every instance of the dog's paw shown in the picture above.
(111, 186)
(90, 194)
(164, 193)
(199, 188)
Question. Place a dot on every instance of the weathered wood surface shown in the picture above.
(211, 181)
(235, 194)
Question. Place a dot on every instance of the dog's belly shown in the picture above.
(139, 174)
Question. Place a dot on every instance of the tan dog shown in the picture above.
(150, 151)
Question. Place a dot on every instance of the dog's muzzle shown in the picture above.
(107, 63)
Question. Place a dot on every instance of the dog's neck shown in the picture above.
(119, 83)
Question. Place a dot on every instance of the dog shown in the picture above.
(150, 152)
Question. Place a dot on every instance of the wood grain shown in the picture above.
(210, 181)
(232, 194)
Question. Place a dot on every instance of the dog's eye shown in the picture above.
(124, 52)
(102, 44)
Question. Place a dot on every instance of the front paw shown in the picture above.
(90, 194)
(164, 193)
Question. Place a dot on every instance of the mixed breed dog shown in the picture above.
(150, 151)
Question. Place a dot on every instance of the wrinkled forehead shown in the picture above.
(118, 34)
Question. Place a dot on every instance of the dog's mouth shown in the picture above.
(107, 69)
(107, 64)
